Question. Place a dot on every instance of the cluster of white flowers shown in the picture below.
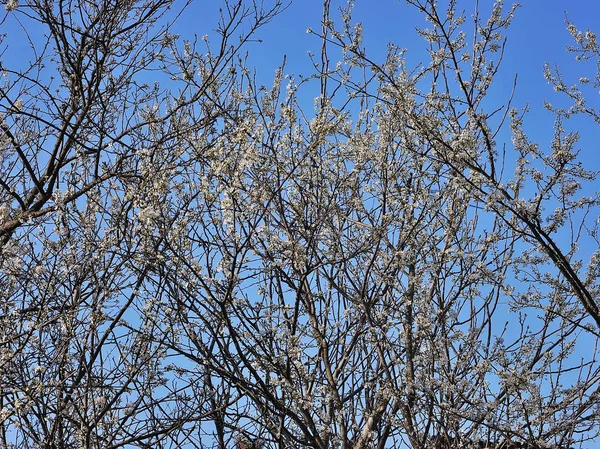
(11, 5)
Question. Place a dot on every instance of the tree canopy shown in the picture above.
(189, 258)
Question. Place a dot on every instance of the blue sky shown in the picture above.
(538, 35)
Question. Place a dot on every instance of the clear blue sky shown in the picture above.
(538, 35)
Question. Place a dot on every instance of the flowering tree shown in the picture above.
(89, 153)
(214, 266)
